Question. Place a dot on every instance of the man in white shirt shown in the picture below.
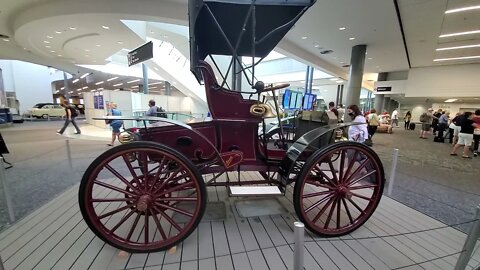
(395, 118)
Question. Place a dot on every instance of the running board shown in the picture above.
(238, 191)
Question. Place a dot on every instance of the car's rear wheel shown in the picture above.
(44, 116)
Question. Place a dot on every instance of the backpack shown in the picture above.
(160, 113)
(373, 120)
(423, 117)
(74, 111)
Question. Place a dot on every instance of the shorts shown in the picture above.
(426, 127)
(116, 127)
(456, 131)
(465, 139)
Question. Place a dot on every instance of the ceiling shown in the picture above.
(64, 33)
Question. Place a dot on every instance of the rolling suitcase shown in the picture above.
(411, 126)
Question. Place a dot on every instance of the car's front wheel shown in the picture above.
(45, 116)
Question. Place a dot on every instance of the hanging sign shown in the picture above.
(384, 89)
(140, 54)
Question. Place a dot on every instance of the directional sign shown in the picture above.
(140, 54)
(384, 89)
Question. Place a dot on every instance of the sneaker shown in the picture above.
(475, 154)
(77, 133)
(58, 132)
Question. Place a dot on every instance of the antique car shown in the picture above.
(149, 193)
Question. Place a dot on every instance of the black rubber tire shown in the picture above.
(150, 145)
(314, 159)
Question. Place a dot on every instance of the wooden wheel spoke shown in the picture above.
(320, 213)
(114, 212)
(356, 206)
(169, 179)
(113, 200)
(176, 188)
(159, 226)
(342, 164)
(100, 183)
(178, 210)
(169, 219)
(317, 184)
(361, 197)
(175, 199)
(319, 202)
(131, 169)
(338, 213)
(327, 222)
(347, 210)
(147, 217)
(331, 181)
(332, 169)
(357, 170)
(350, 165)
(134, 225)
(316, 194)
(119, 176)
(121, 222)
(362, 187)
(353, 182)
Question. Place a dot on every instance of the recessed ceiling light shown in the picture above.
(105, 27)
(304, 37)
(87, 50)
(6, 39)
(73, 28)
(98, 83)
(352, 38)
(118, 84)
(100, 89)
(451, 100)
(155, 83)
(59, 55)
(459, 47)
(342, 28)
(47, 46)
(98, 45)
(462, 9)
(58, 32)
(316, 46)
(333, 79)
(152, 87)
(460, 34)
(52, 51)
(369, 58)
(84, 75)
(76, 80)
(85, 87)
(339, 81)
(119, 42)
(457, 58)
(71, 92)
(111, 79)
(62, 88)
(46, 41)
(342, 62)
(134, 81)
(92, 90)
(49, 37)
(86, 55)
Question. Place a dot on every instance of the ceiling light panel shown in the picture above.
(118, 84)
(459, 47)
(98, 83)
(111, 79)
(84, 75)
(75, 81)
(460, 34)
(105, 27)
(462, 9)
(457, 58)
(451, 100)
(134, 81)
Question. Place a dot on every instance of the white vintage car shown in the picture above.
(46, 110)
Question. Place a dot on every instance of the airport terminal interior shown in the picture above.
(239, 134)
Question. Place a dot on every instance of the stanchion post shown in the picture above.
(299, 245)
(393, 171)
(470, 243)
(69, 154)
(3, 182)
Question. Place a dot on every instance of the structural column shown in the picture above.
(354, 86)
(386, 104)
(168, 88)
(379, 101)
(145, 78)
(65, 87)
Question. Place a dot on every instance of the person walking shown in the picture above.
(115, 124)
(426, 119)
(341, 113)
(395, 118)
(407, 118)
(70, 115)
(476, 132)
(331, 107)
(442, 126)
(373, 122)
(465, 137)
(153, 109)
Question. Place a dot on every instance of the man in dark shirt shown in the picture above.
(70, 115)
(465, 137)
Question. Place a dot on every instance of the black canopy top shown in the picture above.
(216, 26)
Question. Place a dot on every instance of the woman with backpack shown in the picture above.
(373, 122)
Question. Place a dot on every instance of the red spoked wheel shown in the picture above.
(339, 188)
(142, 197)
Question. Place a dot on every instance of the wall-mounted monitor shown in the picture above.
(298, 102)
(293, 99)
(308, 102)
(286, 99)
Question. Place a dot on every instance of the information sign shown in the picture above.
(140, 54)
